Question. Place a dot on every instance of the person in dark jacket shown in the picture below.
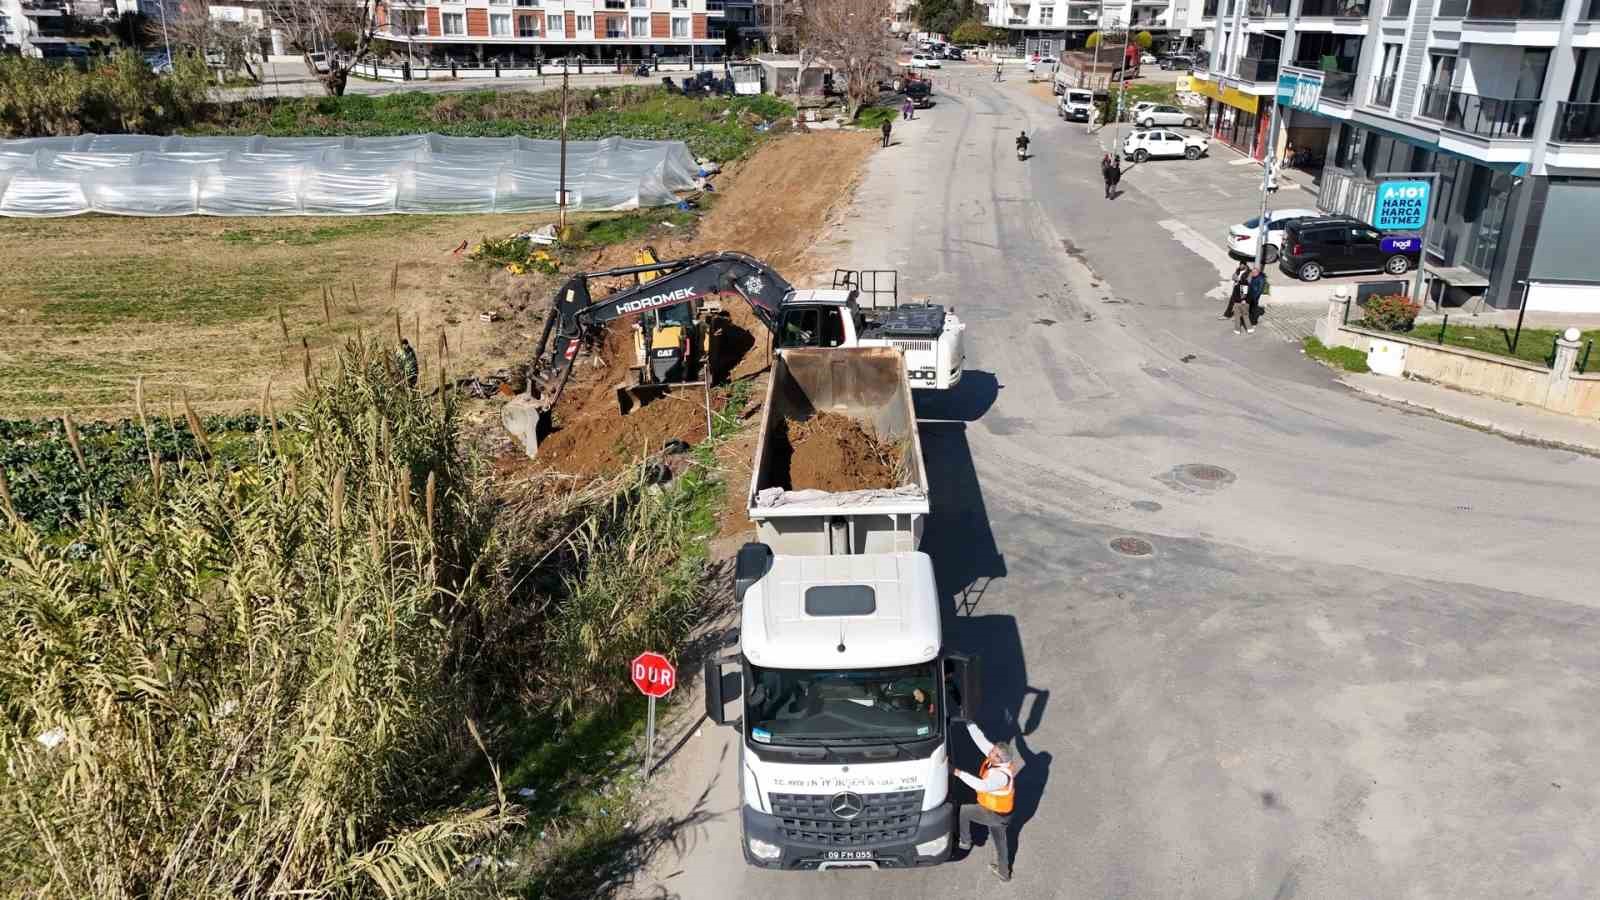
(1111, 171)
(408, 362)
(1255, 288)
(1241, 278)
(885, 131)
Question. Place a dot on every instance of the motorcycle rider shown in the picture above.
(1022, 144)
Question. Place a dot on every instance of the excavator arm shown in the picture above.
(676, 281)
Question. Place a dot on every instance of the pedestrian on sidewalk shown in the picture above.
(908, 109)
(1255, 289)
(997, 65)
(1240, 280)
(1242, 322)
(1111, 171)
(885, 130)
(995, 785)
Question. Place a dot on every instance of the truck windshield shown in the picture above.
(799, 706)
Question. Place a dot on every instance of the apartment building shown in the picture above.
(596, 30)
(1051, 26)
(32, 27)
(1501, 98)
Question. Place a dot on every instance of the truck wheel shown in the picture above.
(1191, 152)
(1141, 155)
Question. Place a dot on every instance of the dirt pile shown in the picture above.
(830, 452)
(772, 206)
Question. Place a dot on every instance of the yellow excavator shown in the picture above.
(673, 346)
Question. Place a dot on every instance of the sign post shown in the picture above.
(654, 676)
(1403, 203)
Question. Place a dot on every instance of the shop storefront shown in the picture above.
(1234, 117)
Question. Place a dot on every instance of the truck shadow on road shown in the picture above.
(965, 558)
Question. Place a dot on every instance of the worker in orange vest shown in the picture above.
(996, 787)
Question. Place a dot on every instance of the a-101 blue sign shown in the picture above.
(1401, 206)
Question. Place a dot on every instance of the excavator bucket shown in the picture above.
(528, 420)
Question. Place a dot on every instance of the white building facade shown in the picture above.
(1500, 98)
(1051, 26)
(599, 31)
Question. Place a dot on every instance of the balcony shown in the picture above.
(1492, 117)
(1577, 123)
(1383, 91)
(1515, 9)
(43, 7)
(1257, 70)
(1336, 8)
(1336, 86)
(1015, 22)
(1271, 9)
(1435, 102)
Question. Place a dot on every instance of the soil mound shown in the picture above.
(830, 452)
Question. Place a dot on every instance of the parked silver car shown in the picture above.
(1158, 114)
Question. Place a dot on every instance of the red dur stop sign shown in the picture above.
(653, 675)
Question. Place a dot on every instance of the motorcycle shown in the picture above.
(1022, 151)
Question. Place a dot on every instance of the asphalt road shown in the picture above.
(1358, 663)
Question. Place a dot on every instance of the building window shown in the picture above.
(1047, 15)
(500, 26)
(586, 24)
(638, 27)
(617, 4)
(616, 27)
(680, 4)
(527, 2)
(641, 4)
(527, 26)
(553, 25)
(499, 2)
(454, 23)
(680, 28)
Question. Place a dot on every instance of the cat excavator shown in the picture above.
(679, 316)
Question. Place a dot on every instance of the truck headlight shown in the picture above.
(762, 850)
(934, 847)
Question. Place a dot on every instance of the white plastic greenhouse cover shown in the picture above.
(148, 175)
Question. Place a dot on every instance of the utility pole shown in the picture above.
(566, 68)
(1099, 25)
(1122, 94)
(1273, 124)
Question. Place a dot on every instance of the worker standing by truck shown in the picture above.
(996, 787)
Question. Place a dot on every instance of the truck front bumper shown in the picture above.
(934, 824)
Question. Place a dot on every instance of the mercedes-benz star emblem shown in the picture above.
(846, 805)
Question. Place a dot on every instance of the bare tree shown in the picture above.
(853, 36)
(340, 30)
(231, 46)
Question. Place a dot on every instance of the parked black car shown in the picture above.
(1177, 61)
(1332, 245)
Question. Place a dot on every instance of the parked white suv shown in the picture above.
(1143, 145)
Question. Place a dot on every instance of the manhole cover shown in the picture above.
(1132, 546)
(1203, 475)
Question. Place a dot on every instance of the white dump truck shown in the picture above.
(844, 692)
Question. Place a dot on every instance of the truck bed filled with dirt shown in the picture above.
(838, 465)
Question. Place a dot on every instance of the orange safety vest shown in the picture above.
(998, 801)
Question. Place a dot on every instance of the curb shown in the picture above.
(1477, 422)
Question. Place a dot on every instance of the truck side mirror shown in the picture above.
(720, 687)
(967, 686)
(750, 566)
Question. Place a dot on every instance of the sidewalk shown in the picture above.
(1499, 416)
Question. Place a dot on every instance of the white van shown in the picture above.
(1076, 104)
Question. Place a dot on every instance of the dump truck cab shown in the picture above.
(853, 315)
(845, 698)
